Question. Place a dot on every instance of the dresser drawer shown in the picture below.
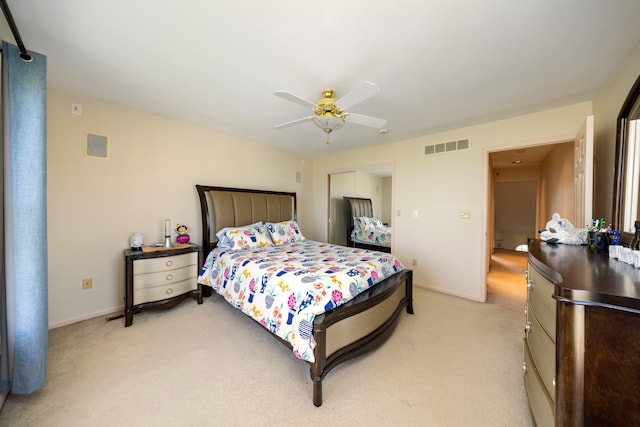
(543, 353)
(163, 277)
(540, 301)
(152, 265)
(540, 403)
(157, 293)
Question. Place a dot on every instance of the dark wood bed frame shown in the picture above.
(357, 206)
(341, 334)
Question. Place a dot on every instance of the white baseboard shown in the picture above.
(449, 292)
(114, 310)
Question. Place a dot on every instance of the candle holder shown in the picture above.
(167, 233)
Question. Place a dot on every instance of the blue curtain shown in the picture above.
(23, 282)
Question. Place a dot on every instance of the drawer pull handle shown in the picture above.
(529, 285)
(169, 276)
(527, 328)
(554, 381)
(524, 367)
(168, 263)
(169, 291)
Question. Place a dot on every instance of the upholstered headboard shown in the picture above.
(356, 206)
(235, 207)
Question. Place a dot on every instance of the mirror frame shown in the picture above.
(621, 151)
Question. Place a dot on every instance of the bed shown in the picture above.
(339, 334)
(364, 230)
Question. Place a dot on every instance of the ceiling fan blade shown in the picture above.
(360, 119)
(293, 122)
(295, 98)
(357, 95)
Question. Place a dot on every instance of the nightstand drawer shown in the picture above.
(163, 277)
(159, 280)
(152, 265)
(158, 293)
(540, 301)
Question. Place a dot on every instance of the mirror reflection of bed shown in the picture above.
(373, 183)
(365, 230)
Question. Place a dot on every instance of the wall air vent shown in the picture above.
(445, 147)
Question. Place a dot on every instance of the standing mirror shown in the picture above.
(626, 205)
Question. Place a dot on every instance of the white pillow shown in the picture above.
(376, 223)
(284, 232)
(224, 241)
(248, 237)
(362, 223)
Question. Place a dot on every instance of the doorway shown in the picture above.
(526, 185)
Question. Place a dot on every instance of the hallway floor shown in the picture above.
(506, 282)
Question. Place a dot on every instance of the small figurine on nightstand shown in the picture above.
(182, 237)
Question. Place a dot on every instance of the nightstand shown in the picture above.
(160, 279)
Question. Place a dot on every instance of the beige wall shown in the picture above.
(94, 205)
(606, 107)
(450, 252)
(557, 185)
(387, 186)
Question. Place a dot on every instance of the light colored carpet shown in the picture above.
(453, 363)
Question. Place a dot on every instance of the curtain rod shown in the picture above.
(24, 55)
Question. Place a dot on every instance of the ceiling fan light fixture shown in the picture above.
(328, 122)
(329, 112)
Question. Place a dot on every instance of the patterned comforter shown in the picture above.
(285, 286)
(379, 236)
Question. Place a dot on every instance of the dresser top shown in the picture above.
(585, 276)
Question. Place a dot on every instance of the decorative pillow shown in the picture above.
(226, 242)
(376, 222)
(248, 237)
(362, 223)
(284, 232)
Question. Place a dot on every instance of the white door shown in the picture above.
(583, 174)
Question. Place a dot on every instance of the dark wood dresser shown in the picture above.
(596, 338)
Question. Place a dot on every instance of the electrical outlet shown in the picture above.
(87, 283)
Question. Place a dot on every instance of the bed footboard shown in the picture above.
(359, 326)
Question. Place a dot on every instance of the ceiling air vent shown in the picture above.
(445, 147)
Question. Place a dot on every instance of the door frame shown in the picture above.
(488, 208)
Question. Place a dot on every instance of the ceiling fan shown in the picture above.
(329, 113)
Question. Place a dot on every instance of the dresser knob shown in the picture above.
(554, 381)
(168, 263)
(527, 328)
(169, 291)
(524, 367)
(169, 276)
(529, 285)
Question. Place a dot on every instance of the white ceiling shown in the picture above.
(439, 64)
